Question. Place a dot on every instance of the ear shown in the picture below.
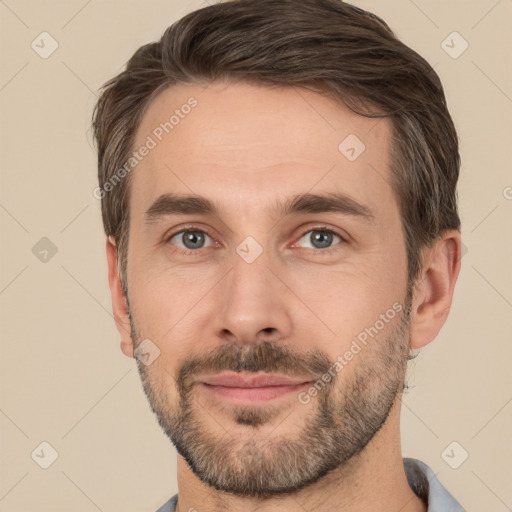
(433, 290)
(119, 305)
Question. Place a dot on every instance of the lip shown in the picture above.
(237, 380)
(250, 389)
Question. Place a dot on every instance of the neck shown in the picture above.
(373, 480)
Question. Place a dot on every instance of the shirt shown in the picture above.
(422, 481)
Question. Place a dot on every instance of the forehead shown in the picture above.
(242, 141)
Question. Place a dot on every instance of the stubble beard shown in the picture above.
(338, 424)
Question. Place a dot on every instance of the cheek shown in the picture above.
(345, 302)
(163, 296)
(168, 307)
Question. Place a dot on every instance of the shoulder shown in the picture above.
(170, 505)
(425, 484)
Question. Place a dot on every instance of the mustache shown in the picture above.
(267, 356)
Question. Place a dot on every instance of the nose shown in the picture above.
(253, 303)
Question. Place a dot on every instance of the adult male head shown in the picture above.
(278, 183)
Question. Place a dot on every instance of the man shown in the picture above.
(278, 184)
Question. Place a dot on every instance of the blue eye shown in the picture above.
(320, 238)
(189, 239)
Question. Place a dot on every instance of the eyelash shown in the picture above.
(194, 252)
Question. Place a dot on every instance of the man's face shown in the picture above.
(259, 288)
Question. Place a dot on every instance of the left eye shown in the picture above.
(320, 238)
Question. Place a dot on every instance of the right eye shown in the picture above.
(189, 240)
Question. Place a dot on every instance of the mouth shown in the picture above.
(250, 388)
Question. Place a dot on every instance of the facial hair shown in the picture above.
(338, 424)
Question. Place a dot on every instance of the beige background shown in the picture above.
(63, 377)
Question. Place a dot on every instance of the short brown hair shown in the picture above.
(333, 47)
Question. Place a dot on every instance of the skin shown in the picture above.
(246, 147)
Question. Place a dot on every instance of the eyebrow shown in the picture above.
(323, 203)
(172, 204)
(176, 204)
